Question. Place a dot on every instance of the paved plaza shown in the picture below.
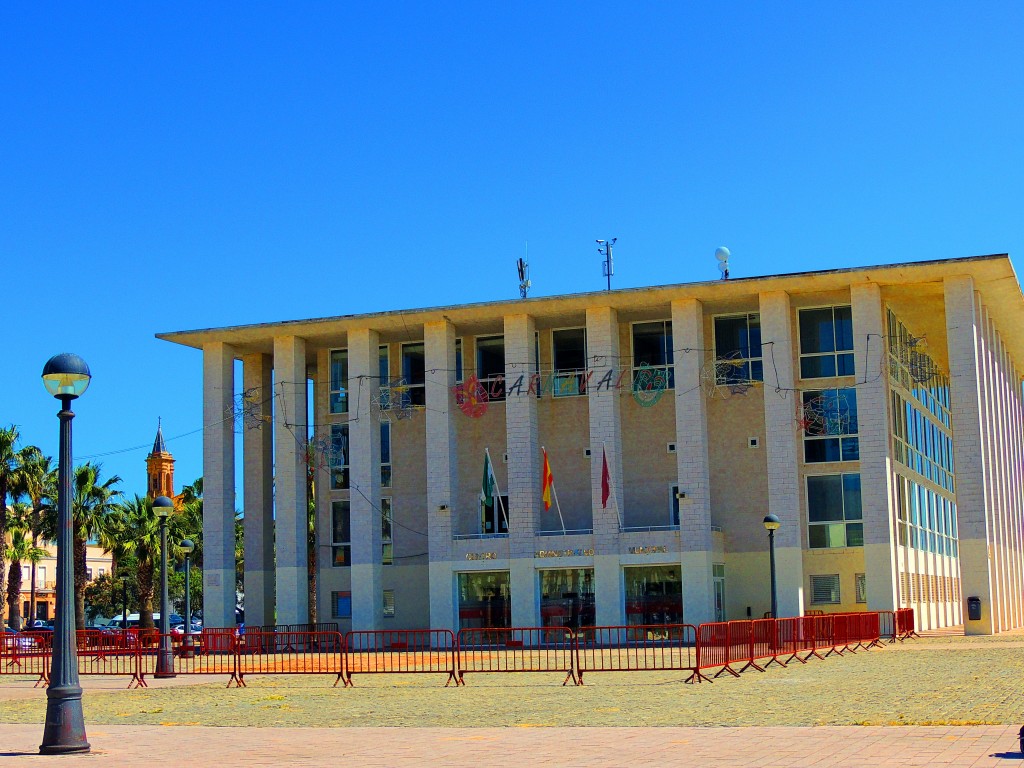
(940, 700)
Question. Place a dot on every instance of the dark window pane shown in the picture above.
(824, 498)
(855, 535)
(570, 349)
(650, 344)
(844, 328)
(414, 364)
(817, 367)
(490, 357)
(757, 370)
(731, 337)
(850, 449)
(816, 332)
(845, 365)
(851, 497)
(821, 450)
(848, 410)
(818, 535)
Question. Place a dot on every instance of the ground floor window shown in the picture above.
(484, 599)
(567, 597)
(654, 594)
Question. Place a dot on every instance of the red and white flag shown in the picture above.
(606, 479)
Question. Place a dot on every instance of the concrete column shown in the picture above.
(524, 463)
(290, 508)
(322, 485)
(258, 488)
(781, 449)
(872, 366)
(364, 473)
(442, 469)
(964, 343)
(218, 485)
(692, 463)
(606, 439)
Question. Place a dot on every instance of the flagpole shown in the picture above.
(497, 490)
(554, 490)
(611, 487)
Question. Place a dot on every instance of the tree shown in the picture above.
(38, 480)
(19, 550)
(132, 529)
(8, 470)
(91, 503)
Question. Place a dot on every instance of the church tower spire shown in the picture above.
(160, 468)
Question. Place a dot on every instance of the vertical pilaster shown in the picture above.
(780, 403)
(442, 469)
(364, 473)
(258, 488)
(524, 460)
(290, 508)
(322, 486)
(218, 485)
(692, 464)
(871, 362)
(964, 341)
(606, 440)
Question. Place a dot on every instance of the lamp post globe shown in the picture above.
(66, 376)
(162, 507)
(772, 524)
(188, 547)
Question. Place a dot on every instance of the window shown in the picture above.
(484, 599)
(494, 516)
(490, 365)
(834, 511)
(567, 598)
(738, 349)
(569, 355)
(829, 418)
(458, 360)
(860, 587)
(338, 458)
(825, 589)
(389, 603)
(40, 577)
(387, 545)
(26, 574)
(384, 376)
(339, 381)
(414, 371)
(341, 605)
(88, 574)
(102, 572)
(673, 504)
(653, 594)
(341, 533)
(826, 342)
(652, 347)
(385, 454)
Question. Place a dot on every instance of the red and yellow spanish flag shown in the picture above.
(547, 480)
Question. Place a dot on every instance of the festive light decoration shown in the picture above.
(649, 384)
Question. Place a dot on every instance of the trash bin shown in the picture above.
(974, 608)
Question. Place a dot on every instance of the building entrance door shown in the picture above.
(718, 570)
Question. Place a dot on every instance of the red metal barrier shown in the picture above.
(24, 654)
(765, 641)
(905, 624)
(192, 659)
(297, 653)
(712, 651)
(887, 626)
(788, 639)
(109, 653)
(517, 649)
(402, 651)
(636, 648)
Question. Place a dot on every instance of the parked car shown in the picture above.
(14, 640)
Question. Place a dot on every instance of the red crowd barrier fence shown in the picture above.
(517, 649)
(404, 651)
(296, 653)
(643, 647)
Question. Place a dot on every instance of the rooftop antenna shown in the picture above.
(722, 254)
(604, 247)
(524, 273)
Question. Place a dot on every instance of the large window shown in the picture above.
(567, 597)
(484, 599)
(569, 355)
(654, 594)
(738, 349)
(387, 542)
(826, 342)
(830, 425)
(494, 516)
(339, 381)
(458, 360)
(652, 348)
(414, 371)
(337, 459)
(341, 533)
(385, 454)
(490, 365)
(341, 605)
(834, 511)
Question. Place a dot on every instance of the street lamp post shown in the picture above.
(124, 605)
(771, 524)
(65, 376)
(162, 506)
(187, 547)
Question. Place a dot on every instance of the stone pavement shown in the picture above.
(860, 747)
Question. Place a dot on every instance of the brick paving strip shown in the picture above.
(566, 747)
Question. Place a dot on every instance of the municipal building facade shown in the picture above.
(877, 412)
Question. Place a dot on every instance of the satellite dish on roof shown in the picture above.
(722, 255)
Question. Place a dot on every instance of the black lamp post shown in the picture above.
(771, 524)
(187, 547)
(65, 376)
(162, 506)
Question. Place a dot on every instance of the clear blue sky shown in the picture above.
(185, 166)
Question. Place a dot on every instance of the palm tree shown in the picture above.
(132, 529)
(8, 470)
(38, 479)
(91, 502)
(18, 550)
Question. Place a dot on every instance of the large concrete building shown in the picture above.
(877, 412)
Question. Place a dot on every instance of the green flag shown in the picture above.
(488, 483)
